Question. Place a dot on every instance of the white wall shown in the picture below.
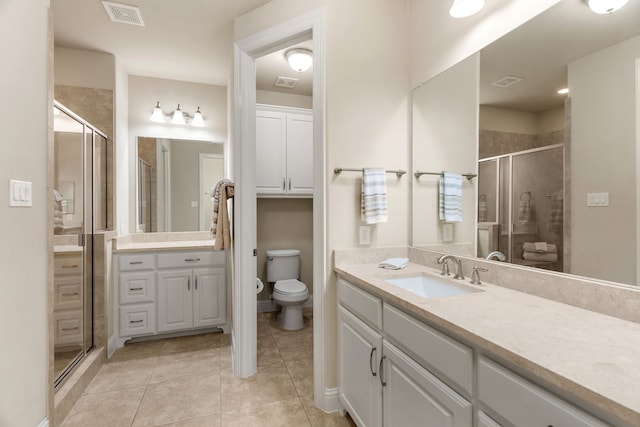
(603, 152)
(283, 99)
(23, 253)
(440, 41)
(515, 121)
(445, 138)
(84, 68)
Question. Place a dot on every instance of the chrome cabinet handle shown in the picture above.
(68, 294)
(284, 181)
(70, 266)
(189, 283)
(136, 289)
(135, 262)
(136, 321)
(373, 350)
(70, 329)
(192, 259)
(289, 183)
(380, 370)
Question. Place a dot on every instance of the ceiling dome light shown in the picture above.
(178, 117)
(157, 115)
(197, 119)
(299, 59)
(604, 7)
(464, 8)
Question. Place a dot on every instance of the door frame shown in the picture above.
(204, 187)
(244, 330)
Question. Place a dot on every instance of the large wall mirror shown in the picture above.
(173, 183)
(556, 185)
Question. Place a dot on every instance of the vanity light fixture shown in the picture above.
(299, 59)
(464, 8)
(564, 91)
(197, 119)
(178, 117)
(604, 7)
(157, 115)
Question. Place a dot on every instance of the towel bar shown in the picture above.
(418, 174)
(338, 171)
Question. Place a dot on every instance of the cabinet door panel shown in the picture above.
(359, 354)
(270, 152)
(300, 154)
(209, 299)
(415, 397)
(175, 300)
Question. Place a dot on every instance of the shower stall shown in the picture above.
(521, 206)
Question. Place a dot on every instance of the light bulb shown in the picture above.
(157, 115)
(197, 119)
(464, 8)
(178, 117)
(299, 59)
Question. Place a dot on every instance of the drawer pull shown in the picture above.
(70, 294)
(135, 262)
(70, 329)
(192, 259)
(136, 321)
(373, 350)
(136, 289)
(70, 266)
(380, 370)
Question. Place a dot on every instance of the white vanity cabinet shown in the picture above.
(284, 151)
(169, 291)
(523, 404)
(379, 384)
(67, 305)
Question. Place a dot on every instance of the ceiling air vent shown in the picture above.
(506, 81)
(286, 82)
(123, 13)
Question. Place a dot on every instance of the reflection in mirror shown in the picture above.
(173, 181)
(556, 186)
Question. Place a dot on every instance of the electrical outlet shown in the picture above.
(365, 235)
(447, 232)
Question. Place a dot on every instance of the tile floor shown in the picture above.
(189, 382)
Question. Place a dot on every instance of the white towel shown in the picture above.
(450, 197)
(394, 263)
(373, 205)
(541, 246)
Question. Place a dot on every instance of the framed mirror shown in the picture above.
(174, 179)
(557, 172)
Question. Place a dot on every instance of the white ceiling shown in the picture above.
(540, 50)
(189, 40)
(274, 65)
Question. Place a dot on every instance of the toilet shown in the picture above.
(283, 269)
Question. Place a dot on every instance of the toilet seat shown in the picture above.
(291, 289)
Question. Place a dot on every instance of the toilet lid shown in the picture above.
(290, 286)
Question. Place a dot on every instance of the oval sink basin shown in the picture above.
(429, 287)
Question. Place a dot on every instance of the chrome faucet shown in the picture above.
(459, 273)
(475, 275)
(497, 255)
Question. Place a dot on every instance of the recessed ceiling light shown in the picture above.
(563, 91)
(603, 7)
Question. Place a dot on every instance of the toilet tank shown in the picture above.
(283, 264)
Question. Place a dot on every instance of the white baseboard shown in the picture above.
(266, 305)
(330, 399)
(111, 346)
(44, 423)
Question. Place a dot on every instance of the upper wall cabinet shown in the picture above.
(284, 152)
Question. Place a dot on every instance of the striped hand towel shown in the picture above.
(450, 197)
(373, 206)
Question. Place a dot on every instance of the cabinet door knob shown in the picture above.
(373, 350)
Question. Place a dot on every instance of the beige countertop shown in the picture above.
(591, 356)
(67, 249)
(164, 246)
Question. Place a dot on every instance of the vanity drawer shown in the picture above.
(360, 302)
(67, 328)
(134, 262)
(430, 347)
(67, 264)
(137, 320)
(68, 293)
(136, 287)
(190, 259)
(524, 404)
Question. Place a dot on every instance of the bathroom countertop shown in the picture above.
(67, 249)
(588, 355)
(164, 246)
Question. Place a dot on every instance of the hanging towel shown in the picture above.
(220, 229)
(524, 210)
(482, 208)
(556, 212)
(373, 205)
(450, 197)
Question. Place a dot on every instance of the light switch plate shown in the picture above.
(20, 193)
(597, 199)
(194, 203)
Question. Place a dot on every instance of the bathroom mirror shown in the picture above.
(174, 178)
(590, 208)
